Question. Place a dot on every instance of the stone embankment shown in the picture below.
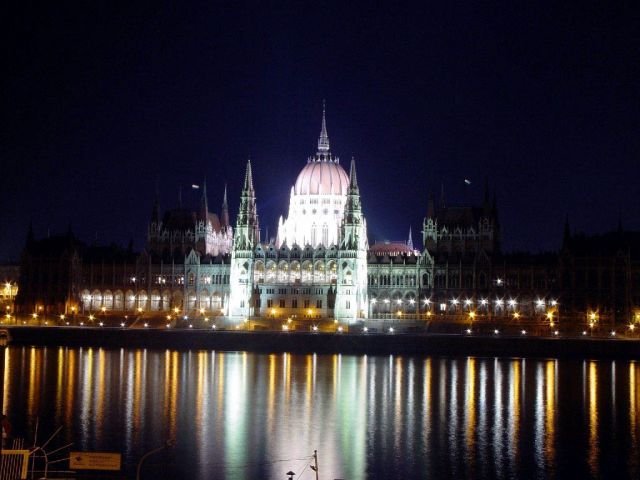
(346, 343)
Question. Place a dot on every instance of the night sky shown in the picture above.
(100, 101)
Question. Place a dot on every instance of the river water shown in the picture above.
(238, 415)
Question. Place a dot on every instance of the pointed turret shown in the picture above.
(323, 141)
(225, 209)
(353, 179)
(352, 219)
(410, 239)
(204, 202)
(247, 226)
(248, 178)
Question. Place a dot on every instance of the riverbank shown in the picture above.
(296, 342)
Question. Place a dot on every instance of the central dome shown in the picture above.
(322, 178)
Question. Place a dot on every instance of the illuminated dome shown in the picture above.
(322, 177)
(317, 200)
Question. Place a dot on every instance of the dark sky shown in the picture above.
(99, 101)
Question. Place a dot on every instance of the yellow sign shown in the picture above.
(94, 461)
(15, 463)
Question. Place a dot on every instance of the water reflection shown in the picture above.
(239, 415)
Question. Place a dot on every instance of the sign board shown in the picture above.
(94, 461)
(14, 463)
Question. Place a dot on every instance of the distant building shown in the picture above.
(321, 266)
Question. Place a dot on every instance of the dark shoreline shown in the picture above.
(293, 342)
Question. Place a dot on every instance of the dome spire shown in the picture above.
(323, 141)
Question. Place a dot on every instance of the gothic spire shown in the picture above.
(248, 178)
(204, 203)
(323, 141)
(225, 208)
(353, 179)
(410, 240)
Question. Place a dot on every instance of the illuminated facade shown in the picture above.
(321, 266)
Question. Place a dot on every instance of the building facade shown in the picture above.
(321, 267)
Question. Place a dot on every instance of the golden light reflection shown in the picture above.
(137, 389)
(100, 387)
(632, 402)
(34, 370)
(593, 418)
(550, 410)
(71, 380)
(59, 386)
(514, 409)
(5, 380)
(470, 409)
(173, 396)
(271, 393)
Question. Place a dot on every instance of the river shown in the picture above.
(239, 415)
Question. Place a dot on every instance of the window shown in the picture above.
(318, 303)
(347, 304)
(282, 303)
(294, 303)
(306, 304)
(270, 303)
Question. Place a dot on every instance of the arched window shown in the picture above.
(314, 230)
(325, 235)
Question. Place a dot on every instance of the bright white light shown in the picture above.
(512, 302)
(386, 300)
(390, 329)
(365, 329)
(146, 325)
(499, 281)
(556, 332)
(468, 330)
(523, 332)
(455, 301)
(122, 324)
(584, 332)
(496, 332)
(412, 301)
(399, 302)
(484, 301)
(315, 328)
(101, 324)
(168, 325)
(340, 329)
(190, 326)
(467, 302)
(554, 303)
(613, 333)
(540, 303)
(499, 302)
(373, 300)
